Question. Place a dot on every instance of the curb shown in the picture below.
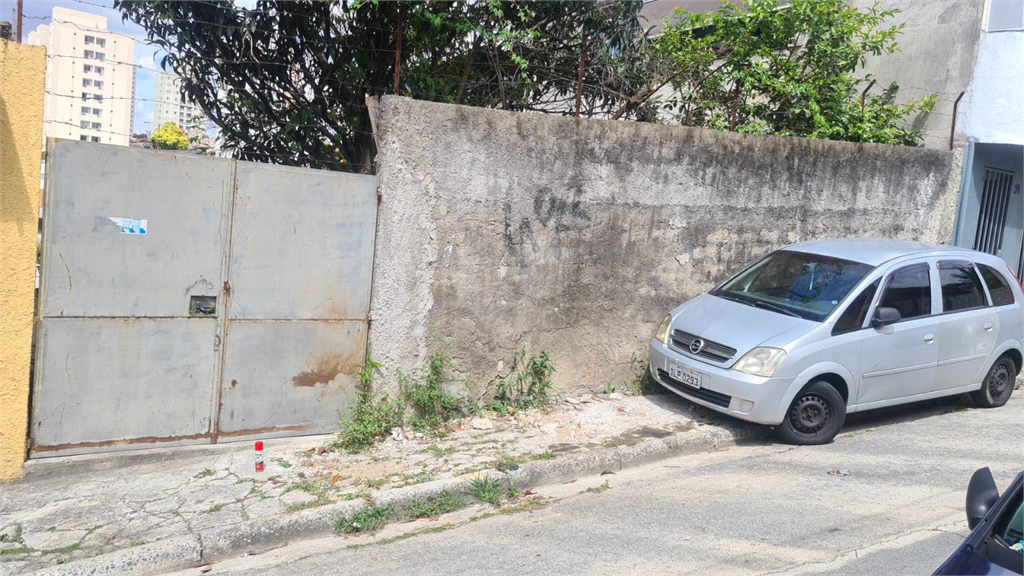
(189, 551)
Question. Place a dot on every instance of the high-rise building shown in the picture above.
(90, 78)
(171, 105)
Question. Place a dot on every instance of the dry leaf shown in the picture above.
(451, 522)
(569, 481)
(334, 479)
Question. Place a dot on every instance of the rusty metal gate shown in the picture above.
(188, 299)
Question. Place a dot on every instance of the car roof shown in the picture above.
(873, 251)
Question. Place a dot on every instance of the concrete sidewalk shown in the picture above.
(156, 510)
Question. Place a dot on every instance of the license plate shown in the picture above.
(684, 375)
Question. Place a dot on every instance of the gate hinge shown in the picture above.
(380, 195)
(227, 287)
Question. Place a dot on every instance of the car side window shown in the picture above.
(961, 287)
(852, 318)
(998, 287)
(909, 290)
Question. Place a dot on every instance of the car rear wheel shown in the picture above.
(815, 416)
(997, 386)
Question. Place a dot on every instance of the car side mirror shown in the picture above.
(982, 493)
(885, 316)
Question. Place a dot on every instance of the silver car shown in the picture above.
(817, 330)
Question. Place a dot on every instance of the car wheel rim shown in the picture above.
(999, 381)
(810, 414)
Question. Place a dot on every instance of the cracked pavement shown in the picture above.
(72, 508)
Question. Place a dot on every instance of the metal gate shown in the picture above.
(995, 204)
(187, 299)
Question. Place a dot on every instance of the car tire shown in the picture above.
(815, 416)
(997, 385)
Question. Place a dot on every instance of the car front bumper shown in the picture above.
(743, 396)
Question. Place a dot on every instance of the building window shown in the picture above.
(97, 112)
(89, 54)
(97, 126)
(86, 82)
(98, 84)
(83, 138)
(99, 70)
(95, 138)
(87, 68)
(1005, 15)
(101, 42)
(100, 56)
(86, 110)
(97, 97)
(90, 40)
(85, 124)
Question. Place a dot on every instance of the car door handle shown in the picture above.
(989, 326)
(929, 338)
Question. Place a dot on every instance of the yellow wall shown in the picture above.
(22, 73)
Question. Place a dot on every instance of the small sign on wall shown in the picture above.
(127, 225)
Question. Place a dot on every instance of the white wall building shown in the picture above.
(90, 78)
(171, 106)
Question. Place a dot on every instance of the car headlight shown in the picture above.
(662, 334)
(762, 361)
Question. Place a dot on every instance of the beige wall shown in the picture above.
(22, 70)
(68, 47)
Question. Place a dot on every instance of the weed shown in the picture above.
(371, 419)
(441, 452)
(613, 443)
(71, 548)
(375, 483)
(368, 520)
(308, 486)
(545, 455)
(432, 407)
(599, 489)
(610, 388)
(21, 550)
(526, 386)
(524, 506)
(505, 462)
(206, 472)
(511, 492)
(283, 463)
(134, 543)
(214, 508)
(318, 501)
(641, 383)
(440, 503)
(486, 490)
(63, 560)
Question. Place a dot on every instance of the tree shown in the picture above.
(169, 137)
(286, 81)
(790, 70)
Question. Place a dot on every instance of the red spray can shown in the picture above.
(259, 456)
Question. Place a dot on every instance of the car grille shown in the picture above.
(711, 350)
(716, 398)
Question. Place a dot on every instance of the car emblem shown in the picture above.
(696, 346)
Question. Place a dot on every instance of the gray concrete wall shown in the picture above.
(937, 51)
(499, 231)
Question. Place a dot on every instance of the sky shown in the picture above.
(147, 58)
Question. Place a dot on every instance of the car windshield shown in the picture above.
(795, 283)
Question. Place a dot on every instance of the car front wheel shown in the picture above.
(815, 416)
(997, 386)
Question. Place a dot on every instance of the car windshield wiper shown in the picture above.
(734, 299)
(774, 308)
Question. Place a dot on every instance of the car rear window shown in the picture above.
(961, 287)
(998, 286)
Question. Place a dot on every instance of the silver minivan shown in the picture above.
(820, 329)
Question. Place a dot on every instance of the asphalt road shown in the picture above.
(765, 508)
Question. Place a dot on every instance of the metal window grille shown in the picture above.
(995, 203)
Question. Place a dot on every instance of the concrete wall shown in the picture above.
(937, 55)
(499, 231)
(992, 110)
(22, 72)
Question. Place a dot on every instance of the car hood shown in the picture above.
(736, 325)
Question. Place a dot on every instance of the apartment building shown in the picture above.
(90, 78)
(171, 105)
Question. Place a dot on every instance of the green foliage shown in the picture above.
(440, 503)
(286, 80)
(169, 137)
(432, 407)
(371, 418)
(506, 461)
(367, 520)
(790, 70)
(527, 385)
(486, 490)
(642, 382)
